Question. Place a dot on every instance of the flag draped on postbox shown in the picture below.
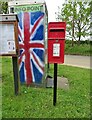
(31, 44)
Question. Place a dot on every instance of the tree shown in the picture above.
(68, 14)
(3, 7)
(77, 17)
(83, 21)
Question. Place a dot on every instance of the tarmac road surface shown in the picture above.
(79, 61)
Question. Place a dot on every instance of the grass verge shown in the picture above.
(38, 102)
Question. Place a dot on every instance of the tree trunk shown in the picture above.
(79, 40)
(73, 32)
(79, 34)
(73, 25)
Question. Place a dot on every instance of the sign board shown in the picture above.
(9, 43)
(28, 8)
(9, 35)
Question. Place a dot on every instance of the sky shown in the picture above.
(52, 6)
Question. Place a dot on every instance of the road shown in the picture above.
(79, 61)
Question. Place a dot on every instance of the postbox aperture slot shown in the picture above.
(56, 30)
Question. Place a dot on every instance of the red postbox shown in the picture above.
(56, 42)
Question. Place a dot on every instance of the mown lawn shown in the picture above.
(38, 102)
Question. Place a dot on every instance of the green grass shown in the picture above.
(82, 49)
(38, 102)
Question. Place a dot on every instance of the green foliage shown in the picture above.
(38, 102)
(77, 16)
(3, 7)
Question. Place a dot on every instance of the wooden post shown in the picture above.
(16, 74)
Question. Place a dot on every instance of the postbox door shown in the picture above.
(56, 51)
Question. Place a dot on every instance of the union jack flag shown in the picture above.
(31, 44)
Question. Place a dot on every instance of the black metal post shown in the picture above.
(55, 84)
(16, 75)
(48, 65)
